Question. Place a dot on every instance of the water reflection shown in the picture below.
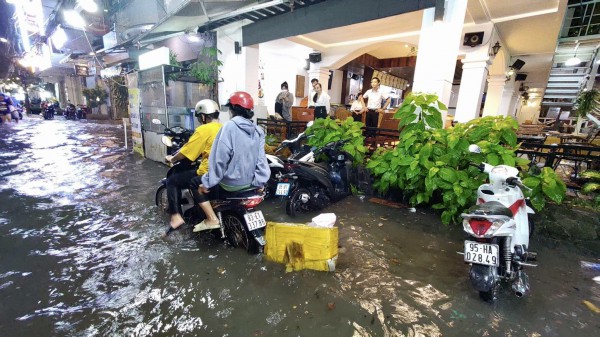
(78, 223)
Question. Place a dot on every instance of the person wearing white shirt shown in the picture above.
(311, 92)
(373, 107)
(321, 102)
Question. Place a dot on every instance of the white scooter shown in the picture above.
(499, 227)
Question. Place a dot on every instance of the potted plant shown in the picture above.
(585, 102)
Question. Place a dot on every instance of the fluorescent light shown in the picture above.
(59, 37)
(573, 61)
(88, 5)
(74, 19)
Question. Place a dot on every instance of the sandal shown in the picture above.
(204, 226)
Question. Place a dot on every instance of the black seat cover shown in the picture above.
(490, 208)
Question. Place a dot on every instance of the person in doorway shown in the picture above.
(286, 99)
(374, 107)
(199, 145)
(311, 92)
(357, 108)
(321, 102)
(237, 161)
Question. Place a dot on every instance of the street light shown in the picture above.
(496, 49)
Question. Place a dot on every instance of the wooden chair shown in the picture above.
(342, 114)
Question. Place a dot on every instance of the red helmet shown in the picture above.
(242, 99)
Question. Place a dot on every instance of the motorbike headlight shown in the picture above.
(167, 141)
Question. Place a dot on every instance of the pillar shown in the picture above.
(472, 85)
(499, 96)
(439, 44)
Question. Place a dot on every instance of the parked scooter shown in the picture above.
(299, 150)
(241, 225)
(500, 229)
(311, 186)
(82, 111)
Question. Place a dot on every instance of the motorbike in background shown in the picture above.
(71, 112)
(499, 229)
(49, 112)
(310, 186)
(81, 111)
(241, 224)
(299, 151)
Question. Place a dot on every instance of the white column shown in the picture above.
(472, 85)
(498, 97)
(321, 74)
(439, 43)
(515, 103)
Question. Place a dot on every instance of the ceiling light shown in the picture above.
(3, 40)
(573, 61)
(74, 19)
(88, 5)
(59, 37)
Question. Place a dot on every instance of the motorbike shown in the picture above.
(81, 111)
(310, 186)
(499, 229)
(174, 138)
(299, 150)
(71, 112)
(49, 112)
(241, 224)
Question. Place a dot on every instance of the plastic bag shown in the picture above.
(324, 220)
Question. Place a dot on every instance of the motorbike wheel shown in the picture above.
(237, 235)
(295, 204)
(162, 200)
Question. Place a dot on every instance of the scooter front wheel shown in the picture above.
(296, 203)
(162, 201)
(237, 235)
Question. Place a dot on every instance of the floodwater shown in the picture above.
(81, 255)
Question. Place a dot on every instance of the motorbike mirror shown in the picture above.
(167, 141)
(156, 121)
(474, 148)
(309, 124)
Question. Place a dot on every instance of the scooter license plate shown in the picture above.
(481, 253)
(255, 220)
(283, 189)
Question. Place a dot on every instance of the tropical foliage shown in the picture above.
(430, 165)
(327, 130)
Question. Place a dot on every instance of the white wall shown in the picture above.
(336, 87)
(282, 60)
(529, 111)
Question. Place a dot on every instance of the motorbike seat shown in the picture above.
(490, 208)
(245, 193)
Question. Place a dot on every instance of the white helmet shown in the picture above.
(206, 107)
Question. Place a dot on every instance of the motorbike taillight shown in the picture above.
(288, 166)
(252, 202)
(480, 226)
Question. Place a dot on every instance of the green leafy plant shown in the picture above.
(325, 130)
(206, 68)
(95, 96)
(586, 101)
(545, 185)
(431, 165)
(592, 186)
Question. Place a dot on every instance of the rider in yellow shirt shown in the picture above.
(198, 146)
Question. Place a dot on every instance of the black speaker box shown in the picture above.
(518, 64)
(521, 77)
(314, 57)
(473, 39)
(238, 48)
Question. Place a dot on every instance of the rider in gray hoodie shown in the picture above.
(237, 158)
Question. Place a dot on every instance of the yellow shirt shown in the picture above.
(200, 144)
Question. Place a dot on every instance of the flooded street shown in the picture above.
(81, 255)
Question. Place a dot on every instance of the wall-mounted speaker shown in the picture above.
(473, 39)
(238, 48)
(518, 64)
(314, 57)
(521, 77)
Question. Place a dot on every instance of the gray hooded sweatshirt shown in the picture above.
(237, 157)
